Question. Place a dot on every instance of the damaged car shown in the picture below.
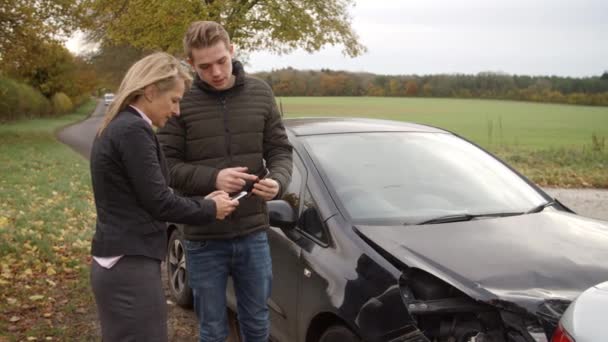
(393, 231)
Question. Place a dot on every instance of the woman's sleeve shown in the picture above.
(139, 155)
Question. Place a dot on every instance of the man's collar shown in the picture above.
(237, 70)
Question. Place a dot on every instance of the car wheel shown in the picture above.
(176, 271)
(339, 333)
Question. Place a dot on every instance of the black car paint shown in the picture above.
(524, 260)
(360, 277)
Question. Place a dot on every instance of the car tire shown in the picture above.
(177, 278)
(339, 333)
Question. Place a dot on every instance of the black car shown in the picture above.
(392, 231)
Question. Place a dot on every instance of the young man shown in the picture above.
(230, 137)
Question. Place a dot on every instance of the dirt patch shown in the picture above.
(182, 323)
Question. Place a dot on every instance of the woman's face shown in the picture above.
(163, 105)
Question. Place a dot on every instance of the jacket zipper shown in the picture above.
(227, 134)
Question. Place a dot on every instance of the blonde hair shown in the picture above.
(202, 34)
(159, 69)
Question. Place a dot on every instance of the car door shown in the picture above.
(286, 265)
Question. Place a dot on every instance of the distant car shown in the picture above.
(391, 231)
(586, 318)
(108, 98)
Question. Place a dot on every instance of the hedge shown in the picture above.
(20, 101)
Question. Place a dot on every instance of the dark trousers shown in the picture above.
(130, 300)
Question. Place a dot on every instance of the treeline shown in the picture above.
(487, 85)
(50, 82)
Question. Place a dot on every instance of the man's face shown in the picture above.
(213, 65)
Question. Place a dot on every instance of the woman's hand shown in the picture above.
(224, 206)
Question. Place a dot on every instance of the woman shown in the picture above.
(133, 202)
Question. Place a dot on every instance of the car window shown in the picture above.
(294, 189)
(406, 177)
(299, 197)
(309, 220)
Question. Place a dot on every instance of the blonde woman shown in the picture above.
(133, 202)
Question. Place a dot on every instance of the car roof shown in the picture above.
(331, 125)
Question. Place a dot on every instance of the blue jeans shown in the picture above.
(247, 260)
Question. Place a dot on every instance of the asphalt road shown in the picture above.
(80, 135)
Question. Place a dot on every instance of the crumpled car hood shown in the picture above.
(521, 260)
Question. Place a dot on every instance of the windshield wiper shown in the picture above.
(464, 217)
(542, 207)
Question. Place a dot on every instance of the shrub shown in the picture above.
(18, 101)
(61, 104)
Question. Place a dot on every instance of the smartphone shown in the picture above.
(239, 195)
(266, 173)
(249, 185)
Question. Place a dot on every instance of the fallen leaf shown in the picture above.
(50, 271)
(47, 315)
(36, 297)
(15, 319)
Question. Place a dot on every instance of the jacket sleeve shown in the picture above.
(139, 155)
(185, 177)
(278, 151)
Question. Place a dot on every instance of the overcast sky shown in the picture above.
(526, 37)
(531, 37)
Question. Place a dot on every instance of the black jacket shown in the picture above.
(240, 126)
(133, 200)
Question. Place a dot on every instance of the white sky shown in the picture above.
(531, 37)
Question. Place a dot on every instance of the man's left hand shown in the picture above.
(266, 188)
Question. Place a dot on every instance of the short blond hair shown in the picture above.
(203, 34)
(159, 69)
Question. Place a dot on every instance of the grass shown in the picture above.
(552, 144)
(46, 221)
(521, 124)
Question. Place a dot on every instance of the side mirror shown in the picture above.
(281, 214)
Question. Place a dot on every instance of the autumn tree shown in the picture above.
(24, 22)
(111, 62)
(278, 26)
(411, 88)
(394, 87)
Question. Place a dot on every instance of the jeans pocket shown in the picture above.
(195, 246)
(260, 236)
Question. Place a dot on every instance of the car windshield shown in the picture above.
(411, 177)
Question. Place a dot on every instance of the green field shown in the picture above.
(554, 145)
(47, 219)
(486, 122)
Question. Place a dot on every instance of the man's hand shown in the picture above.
(224, 206)
(266, 188)
(233, 179)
